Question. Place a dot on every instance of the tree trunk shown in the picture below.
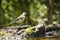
(50, 11)
(1, 16)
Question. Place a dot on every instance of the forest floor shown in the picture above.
(8, 34)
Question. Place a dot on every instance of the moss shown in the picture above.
(29, 30)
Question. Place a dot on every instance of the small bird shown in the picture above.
(19, 19)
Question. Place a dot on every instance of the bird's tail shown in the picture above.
(11, 23)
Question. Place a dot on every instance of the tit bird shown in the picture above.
(19, 19)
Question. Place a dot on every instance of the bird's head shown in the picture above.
(24, 13)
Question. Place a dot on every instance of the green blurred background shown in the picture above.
(40, 10)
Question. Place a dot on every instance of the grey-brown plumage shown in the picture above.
(19, 19)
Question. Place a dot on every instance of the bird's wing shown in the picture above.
(20, 19)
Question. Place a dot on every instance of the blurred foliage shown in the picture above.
(38, 10)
